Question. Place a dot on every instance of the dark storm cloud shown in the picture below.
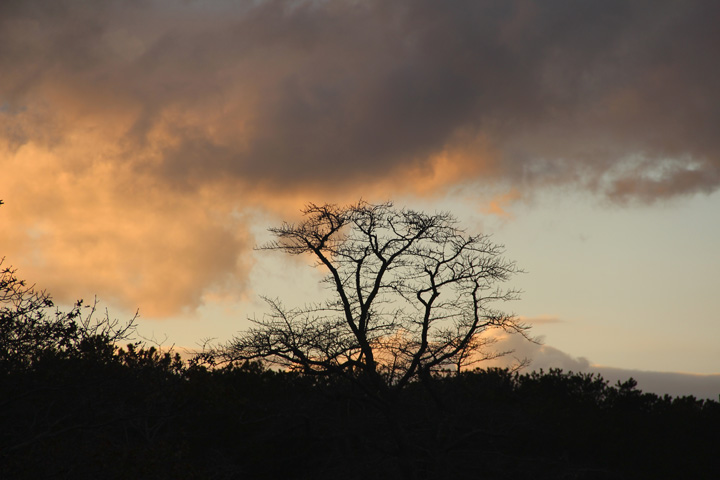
(291, 93)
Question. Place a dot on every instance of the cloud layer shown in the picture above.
(546, 357)
(135, 135)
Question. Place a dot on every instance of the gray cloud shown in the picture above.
(545, 357)
(298, 93)
(671, 383)
(539, 356)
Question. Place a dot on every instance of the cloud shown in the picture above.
(545, 357)
(130, 240)
(166, 119)
(306, 94)
(671, 383)
(540, 356)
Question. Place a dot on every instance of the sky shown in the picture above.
(145, 147)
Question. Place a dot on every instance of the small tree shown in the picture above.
(31, 328)
(412, 294)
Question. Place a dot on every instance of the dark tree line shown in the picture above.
(76, 404)
(142, 414)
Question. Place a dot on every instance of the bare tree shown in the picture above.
(412, 293)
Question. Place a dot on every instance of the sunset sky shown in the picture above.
(145, 146)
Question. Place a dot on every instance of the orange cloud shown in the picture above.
(128, 239)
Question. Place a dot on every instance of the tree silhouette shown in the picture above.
(412, 294)
(31, 328)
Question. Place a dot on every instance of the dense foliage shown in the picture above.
(139, 413)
